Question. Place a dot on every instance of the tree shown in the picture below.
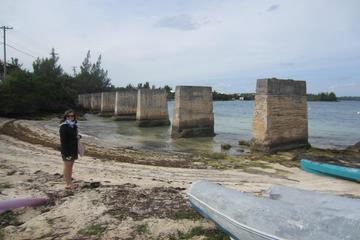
(48, 88)
(92, 77)
(146, 85)
(53, 89)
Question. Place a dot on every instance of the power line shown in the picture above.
(19, 46)
(21, 51)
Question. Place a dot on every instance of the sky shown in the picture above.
(225, 44)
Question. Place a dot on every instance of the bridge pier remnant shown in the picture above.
(107, 103)
(193, 112)
(126, 104)
(280, 115)
(95, 101)
(152, 108)
(84, 100)
(81, 100)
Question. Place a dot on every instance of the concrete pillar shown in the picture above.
(87, 101)
(107, 102)
(280, 115)
(81, 100)
(95, 101)
(126, 104)
(193, 112)
(152, 108)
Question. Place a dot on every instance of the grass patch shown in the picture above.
(209, 234)
(93, 230)
(142, 229)
(244, 163)
(8, 218)
(192, 215)
(215, 155)
(50, 221)
(2, 233)
(216, 164)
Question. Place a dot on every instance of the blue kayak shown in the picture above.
(331, 170)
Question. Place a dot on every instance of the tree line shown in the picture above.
(49, 89)
(331, 97)
(251, 96)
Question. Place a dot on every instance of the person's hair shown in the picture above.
(67, 112)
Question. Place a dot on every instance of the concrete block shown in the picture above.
(193, 112)
(126, 104)
(280, 115)
(152, 108)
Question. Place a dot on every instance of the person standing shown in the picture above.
(69, 138)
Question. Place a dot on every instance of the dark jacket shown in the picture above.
(69, 140)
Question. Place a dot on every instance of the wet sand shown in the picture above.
(142, 194)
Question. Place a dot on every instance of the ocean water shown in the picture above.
(331, 125)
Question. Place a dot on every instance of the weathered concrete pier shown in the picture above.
(84, 100)
(126, 104)
(152, 108)
(81, 100)
(95, 101)
(107, 103)
(280, 115)
(193, 112)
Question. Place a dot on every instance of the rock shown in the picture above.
(95, 184)
(355, 147)
(244, 143)
(225, 146)
(9, 173)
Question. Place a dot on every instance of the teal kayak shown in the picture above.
(330, 170)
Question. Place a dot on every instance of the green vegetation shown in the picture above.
(142, 229)
(251, 96)
(93, 230)
(187, 215)
(209, 234)
(232, 96)
(8, 218)
(50, 221)
(347, 98)
(48, 89)
(322, 97)
(2, 233)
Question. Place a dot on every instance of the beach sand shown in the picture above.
(142, 195)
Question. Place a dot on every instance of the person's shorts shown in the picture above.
(69, 158)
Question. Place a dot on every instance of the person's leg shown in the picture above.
(68, 166)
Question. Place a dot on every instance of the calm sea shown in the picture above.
(331, 125)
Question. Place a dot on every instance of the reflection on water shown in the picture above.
(334, 125)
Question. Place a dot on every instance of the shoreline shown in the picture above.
(131, 179)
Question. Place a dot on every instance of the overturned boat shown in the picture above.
(284, 213)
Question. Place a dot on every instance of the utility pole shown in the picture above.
(4, 29)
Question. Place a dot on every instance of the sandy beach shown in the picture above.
(128, 194)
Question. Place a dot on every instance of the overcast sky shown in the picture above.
(226, 44)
